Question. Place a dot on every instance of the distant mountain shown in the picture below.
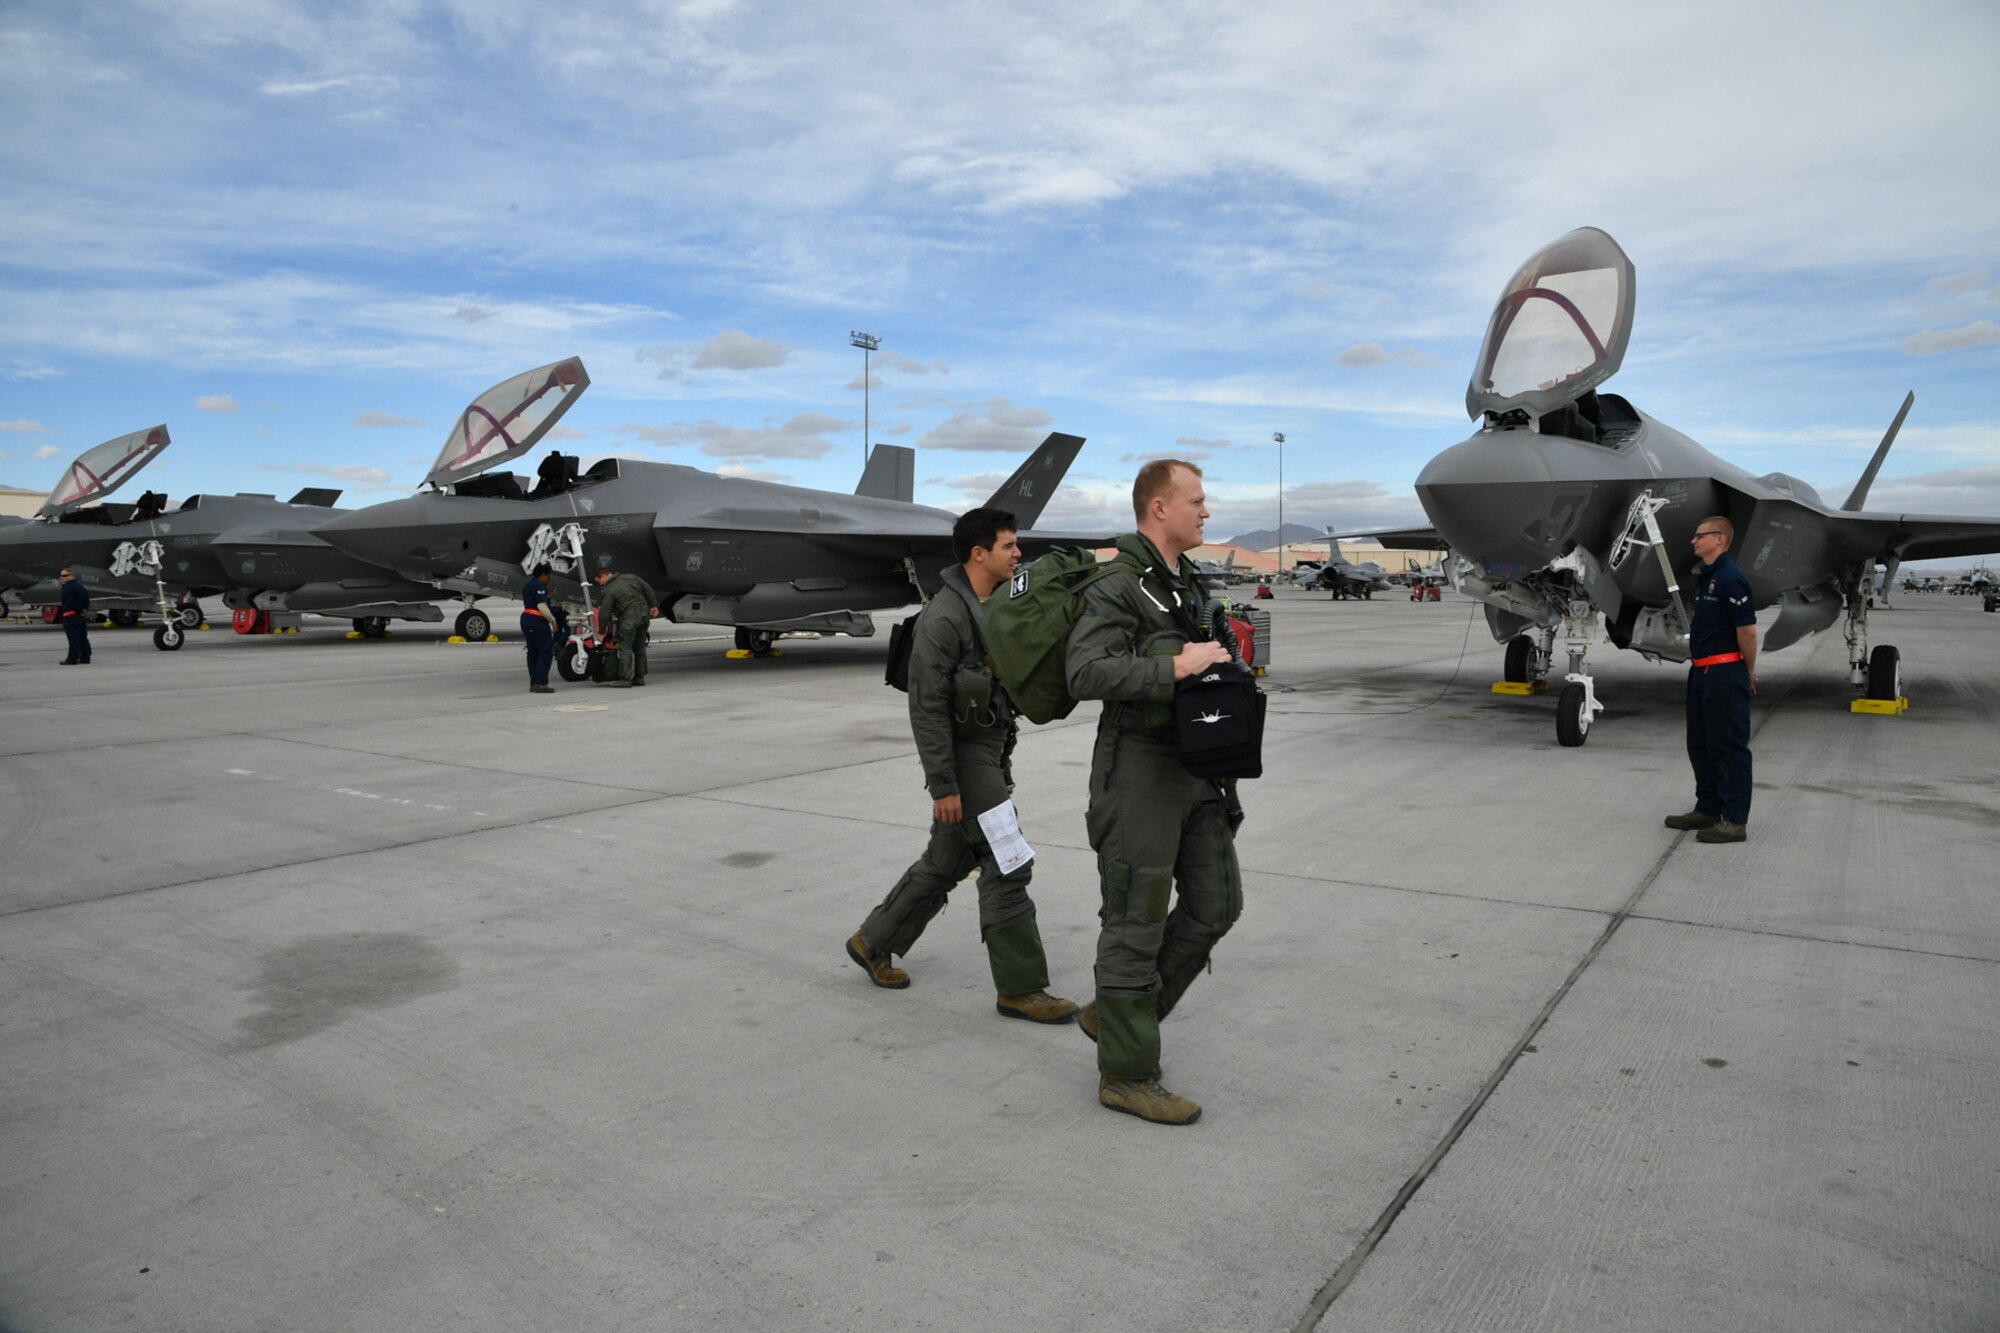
(1263, 539)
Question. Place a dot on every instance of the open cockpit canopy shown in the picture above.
(508, 420)
(102, 470)
(1559, 330)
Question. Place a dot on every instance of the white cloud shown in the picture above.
(800, 437)
(22, 424)
(1183, 455)
(384, 420)
(733, 349)
(749, 473)
(472, 314)
(1361, 355)
(562, 432)
(358, 476)
(217, 402)
(1980, 333)
(997, 426)
(45, 451)
(1957, 284)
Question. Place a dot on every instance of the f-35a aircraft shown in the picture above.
(760, 557)
(1568, 506)
(260, 554)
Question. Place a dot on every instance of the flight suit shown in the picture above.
(628, 604)
(1154, 826)
(1718, 695)
(74, 610)
(965, 732)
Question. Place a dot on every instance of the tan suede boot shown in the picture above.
(1145, 1098)
(1037, 1006)
(878, 969)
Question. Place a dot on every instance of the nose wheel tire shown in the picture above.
(573, 664)
(168, 637)
(1572, 713)
(1885, 673)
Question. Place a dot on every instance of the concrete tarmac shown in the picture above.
(346, 985)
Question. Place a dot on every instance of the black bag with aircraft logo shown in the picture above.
(1219, 723)
(1219, 714)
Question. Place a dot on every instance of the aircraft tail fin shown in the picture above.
(1860, 494)
(891, 474)
(1027, 492)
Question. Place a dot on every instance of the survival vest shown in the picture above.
(1027, 628)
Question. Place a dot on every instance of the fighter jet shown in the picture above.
(260, 554)
(1342, 577)
(1551, 506)
(757, 556)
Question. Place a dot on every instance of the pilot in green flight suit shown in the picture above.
(965, 733)
(629, 601)
(1151, 822)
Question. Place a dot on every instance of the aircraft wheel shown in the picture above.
(168, 637)
(1885, 673)
(373, 627)
(124, 619)
(743, 638)
(189, 614)
(573, 664)
(473, 625)
(1572, 714)
(762, 641)
(1518, 653)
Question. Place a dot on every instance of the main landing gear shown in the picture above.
(756, 642)
(1877, 674)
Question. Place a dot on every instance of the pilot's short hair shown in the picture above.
(1154, 480)
(1722, 521)
(980, 527)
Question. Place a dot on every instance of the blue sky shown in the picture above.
(305, 236)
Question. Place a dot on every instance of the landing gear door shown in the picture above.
(1559, 329)
(508, 420)
(98, 472)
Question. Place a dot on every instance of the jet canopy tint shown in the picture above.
(508, 420)
(101, 470)
(1559, 329)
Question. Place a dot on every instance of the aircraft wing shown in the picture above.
(1403, 539)
(1935, 536)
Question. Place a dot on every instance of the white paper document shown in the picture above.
(1002, 827)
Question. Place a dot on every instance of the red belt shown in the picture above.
(1718, 659)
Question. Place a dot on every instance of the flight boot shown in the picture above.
(541, 689)
(878, 969)
(1037, 1006)
(1145, 1098)
(1723, 831)
(1693, 819)
(1086, 1018)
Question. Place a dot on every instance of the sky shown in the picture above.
(305, 236)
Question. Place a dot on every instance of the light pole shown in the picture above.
(867, 342)
(1279, 436)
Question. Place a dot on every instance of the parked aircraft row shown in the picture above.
(1567, 510)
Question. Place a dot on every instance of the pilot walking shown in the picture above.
(1161, 834)
(629, 603)
(965, 731)
(1722, 675)
(74, 611)
(541, 622)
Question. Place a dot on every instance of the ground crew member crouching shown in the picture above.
(965, 732)
(540, 623)
(1154, 826)
(1722, 675)
(629, 602)
(74, 611)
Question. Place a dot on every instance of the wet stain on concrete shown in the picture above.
(1715, 1062)
(317, 981)
(748, 860)
(1910, 798)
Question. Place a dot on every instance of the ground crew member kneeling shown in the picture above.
(1150, 820)
(965, 731)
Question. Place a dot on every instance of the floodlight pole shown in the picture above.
(1279, 436)
(867, 342)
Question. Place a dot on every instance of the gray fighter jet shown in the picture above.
(259, 554)
(1343, 577)
(1569, 508)
(757, 556)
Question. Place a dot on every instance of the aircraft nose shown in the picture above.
(1492, 498)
